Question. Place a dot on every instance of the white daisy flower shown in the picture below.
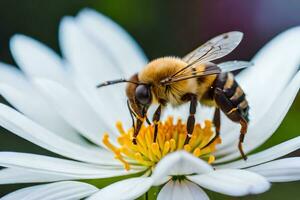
(57, 107)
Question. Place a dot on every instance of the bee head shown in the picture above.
(143, 94)
(138, 94)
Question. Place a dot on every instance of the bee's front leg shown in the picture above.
(131, 115)
(139, 122)
(137, 129)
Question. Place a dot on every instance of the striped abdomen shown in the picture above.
(230, 97)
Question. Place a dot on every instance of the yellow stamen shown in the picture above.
(181, 141)
(109, 145)
(187, 147)
(121, 159)
(120, 127)
(197, 152)
(141, 160)
(173, 144)
(156, 150)
(211, 159)
(166, 148)
(170, 137)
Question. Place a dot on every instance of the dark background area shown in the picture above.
(170, 27)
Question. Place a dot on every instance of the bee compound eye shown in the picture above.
(143, 94)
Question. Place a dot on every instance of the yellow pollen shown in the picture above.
(170, 137)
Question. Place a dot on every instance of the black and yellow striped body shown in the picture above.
(227, 95)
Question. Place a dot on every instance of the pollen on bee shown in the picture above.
(171, 137)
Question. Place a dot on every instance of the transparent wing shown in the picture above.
(208, 69)
(234, 65)
(194, 72)
(215, 48)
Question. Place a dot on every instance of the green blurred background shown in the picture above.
(170, 27)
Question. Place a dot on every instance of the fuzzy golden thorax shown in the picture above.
(162, 68)
(204, 91)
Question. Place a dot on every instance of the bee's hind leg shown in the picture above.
(244, 127)
(234, 113)
(217, 123)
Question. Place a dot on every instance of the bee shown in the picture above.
(191, 79)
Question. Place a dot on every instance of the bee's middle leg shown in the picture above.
(156, 118)
(191, 119)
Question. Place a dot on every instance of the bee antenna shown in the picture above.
(106, 83)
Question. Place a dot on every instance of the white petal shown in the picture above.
(283, 170)
(21, 193)
(29, 130)
(66, 190)
(179, 163)
(180, 112)
(196, 191)
(32, 105)
(261, 130)
(84, 56)
(91, 66)
(266, 155)
(17, 90)
(272, 69)
(167, 191)
(103, 104)
(75, 110)
(37, 60)
(232, 182)
(127, 189)
(57, 166)
(12, 76)
(182, 190)
(63, 190)
(13, 176)
(110, 37)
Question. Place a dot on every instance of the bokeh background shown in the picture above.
(169, 27)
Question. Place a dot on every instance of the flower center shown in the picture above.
(170, 137)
